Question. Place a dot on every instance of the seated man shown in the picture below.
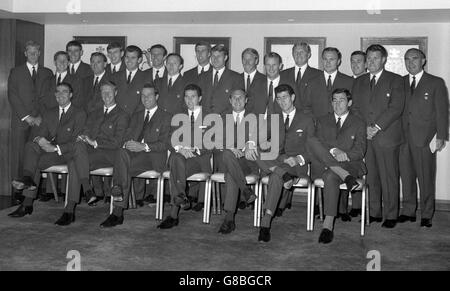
(53, 145)
(294, 129)
(234, 165)
(146, 143)
(338, 148)
(95, 148)
(188, 159)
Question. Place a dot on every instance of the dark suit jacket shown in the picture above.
(107, 131)
(426, 111)
(129, 95)
(65, 132)
(383, 106)
(93, 96)
(257, 76)
(150, 74)
(24, 96)
(216, 100)
(300, 90)
(191, 76)
(318, 98)
(171, 100)
(109, 69)
(83, 70)
(49, 99)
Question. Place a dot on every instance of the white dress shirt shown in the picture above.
(205, 68)
(418, 77)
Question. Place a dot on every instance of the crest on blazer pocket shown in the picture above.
(353, 137)
(299, 131)
(226, 90)
(138, 92)
(426, 96)
(388, 95)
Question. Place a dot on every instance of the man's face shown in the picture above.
(108, 95)
(157, 55)
(75, 54)
(32, 54)
(173, 65)
(132, 60)
(191, 99)
(63, 95)
(238, 100)
(340, 103)
(375, 61)
(285, 101)
(61, 63)
(358, 64)
(330, 62)
(98, 65)
(414, 62)
(203, 54)
(301, 56)
(115, 55)
(218, 60)
(273, 67)
(149, 98)
(249, 62)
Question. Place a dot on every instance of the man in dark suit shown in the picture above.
(187, 157)
(156, 56)
(217, 85)
(338, 147)
(115, 54)
(93, 83)
(53, 145)
(26, 85)
(95, 148)
(76, 66)
(131, 81)
(147, 140)
(291, 162)
(425, 121)
(379, 99)
(301, 73)
(202, 54)
(250, 60)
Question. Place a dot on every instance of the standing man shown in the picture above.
(202, 54)
(358, 63)
(250, 60)
(425, 121)
(93, 83)
(156, 56)
(26, 85)
(115, 55)
(379, 98)
(76, 66)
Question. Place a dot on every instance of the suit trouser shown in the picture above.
(128, 164)
(418, 163)
(383, 179)
(19, 137)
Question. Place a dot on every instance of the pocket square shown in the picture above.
(353, 137)
(299, 130)
(138, 92)
(202, 126)
(388, 95)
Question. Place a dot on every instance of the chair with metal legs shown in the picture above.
(151, 175)
(59, 170)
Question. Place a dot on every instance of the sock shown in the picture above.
(70, 208)
(118, 211)
(174, 211)
(28, 201)
(328, 222)
(266, 220)
(229, 216)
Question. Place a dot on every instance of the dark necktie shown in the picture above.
(192, 129)
(114, 69)
(170, 83)
(106, 113)
(129, 78)
(338, 124)
(413, 85)
(286, 123)
(216, 79)
(235, 130)
(248, 83)
(147, 118)
(62, 115)
(33, 74)
(72, 70)
(270, 104)
(95, 83)
(372, 83)
(202, 71)
(329, 86)
(157, 75)
(59, 80)
(299, 76)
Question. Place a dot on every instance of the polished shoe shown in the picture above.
(227, 227)
(242, 205)
(264, 234)
(403, 218)
(425, 222)
(139, 203)
(355, 212)
(198, 207)
(249, 196)
(112, 221)
(326, 236)
(344, 217)
(169, 222)
(375, 219)
(279, 212)
(389, 223)
(46, 197)
(351, 183)
(288, 205)
(21, 211)
(66, 219)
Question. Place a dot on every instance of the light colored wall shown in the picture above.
(346, 37)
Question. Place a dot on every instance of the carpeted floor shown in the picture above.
(35, 243)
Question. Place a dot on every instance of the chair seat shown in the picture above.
(58, 169)
(149, 175)
(302, 182)
(196, 177)
(102, 172)
(319, 183)
(220, 178)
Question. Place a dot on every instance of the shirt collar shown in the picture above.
(99, 76)
(274, 81)
(220, 71)
(160, 72)
(174, 78)
(110, 108)
(197, 111)
(377, 75)
(65, 108)
(132, 73)
(63, 75)
(240, 114)
(343, 117)
(30, 67)
(418, 77)
(117, 66)
(302, 68)
(152, 111)
(205, 68)
(333, 76)
(76, 65)
(291, 115)
(252, 75)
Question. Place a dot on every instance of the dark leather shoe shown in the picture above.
(375, 219)
(66, 219)
(326, 236)
(389, 223)
(351, 183)
(169, 222)
(139, 203)
(403, 218)
(288, 206)
(21, 211)
(279, 212)
(355, 212)
(198, 207)
(249, 196)
(242, 205)
(425, 222)
(264, 234)
(344, 217)
(227, 227)
(112, 221)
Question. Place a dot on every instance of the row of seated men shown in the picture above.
(395, 130)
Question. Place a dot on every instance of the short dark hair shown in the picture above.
(32, 43)
(114, 45)
(67, 85)
(417, 51)
(203, 43)
(303, 45)
(59, 53)
(160, 46)
(359, 53)
(193, 87)
(109, 83)
(176, 55)
(238, 89)
(133, 48)
(99, 54)
(220, 48)
(377, 48)
(342, 90)
(250, 51)
(151, 86)
(332, 49)
(284, 88)
(74, 43)
(273, 55)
